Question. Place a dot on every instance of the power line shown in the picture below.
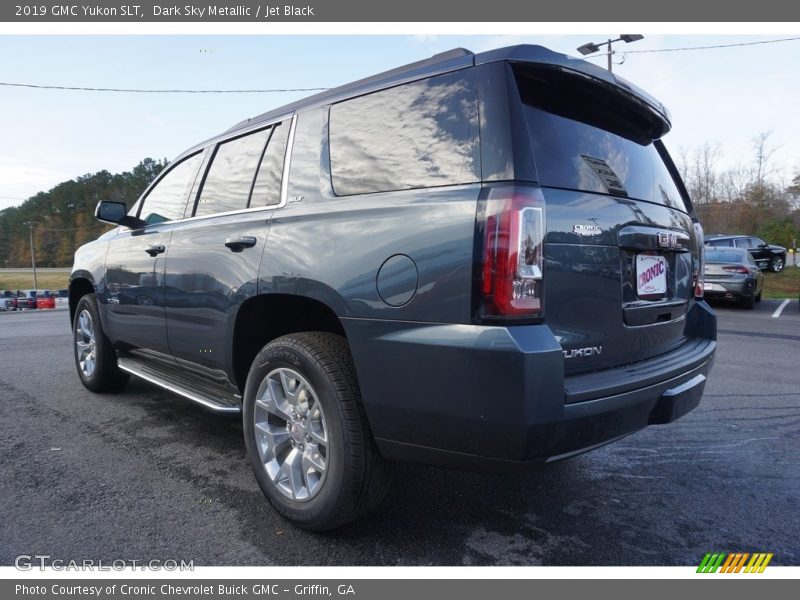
(791, 39)
(322, 89)
(143, 91)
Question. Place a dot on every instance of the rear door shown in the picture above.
(760, 251)
(620, 247)
(213, 259)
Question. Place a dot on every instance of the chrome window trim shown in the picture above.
(287, 163)
(223, 214)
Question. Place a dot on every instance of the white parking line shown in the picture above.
(779, 310)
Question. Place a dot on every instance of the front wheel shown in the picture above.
(94, 357)
(776, 264)
(306, 434)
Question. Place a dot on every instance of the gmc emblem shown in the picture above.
(667, 239)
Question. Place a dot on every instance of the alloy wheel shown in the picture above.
(291, 434)
(85, 344)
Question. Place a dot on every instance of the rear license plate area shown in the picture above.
(651, 276)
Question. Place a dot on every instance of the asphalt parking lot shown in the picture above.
(146, 475)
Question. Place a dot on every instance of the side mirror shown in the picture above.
(115, 213)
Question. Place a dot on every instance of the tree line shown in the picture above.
(63, 218)
(753, 198)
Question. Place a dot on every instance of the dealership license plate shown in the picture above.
(651, 275)
(713, 287)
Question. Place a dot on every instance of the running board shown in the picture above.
(216, 400)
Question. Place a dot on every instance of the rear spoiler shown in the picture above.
(542, 56)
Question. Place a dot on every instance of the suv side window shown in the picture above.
(742, 242)
(230, 176)
(757, 242)
(720, 243)
(167, 200)
(267, 187)
(420, 134)
(305, 173)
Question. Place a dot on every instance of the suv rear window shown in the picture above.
(586, 138)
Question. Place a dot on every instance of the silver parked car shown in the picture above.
(732, 274)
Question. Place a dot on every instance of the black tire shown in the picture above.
(105, 376)
(356, 477)
(777, 263)
(758, 297)
(749, 302)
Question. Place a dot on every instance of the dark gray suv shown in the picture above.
(476, 261)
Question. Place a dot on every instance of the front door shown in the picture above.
(134, 296)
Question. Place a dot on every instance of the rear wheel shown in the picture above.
(776, 264)
(749, 302)
(758, 297)
(306, 434)
(94, 357)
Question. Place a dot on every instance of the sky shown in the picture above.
(726, 96)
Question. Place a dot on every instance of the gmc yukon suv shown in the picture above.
(476, 260)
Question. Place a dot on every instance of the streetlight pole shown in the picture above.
(591, 47)
(30, 225)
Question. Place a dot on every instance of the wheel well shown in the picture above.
(77, 289)
(261, 319)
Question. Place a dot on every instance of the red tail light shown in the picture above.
(737, 269)
(512, 273)
(700, 267)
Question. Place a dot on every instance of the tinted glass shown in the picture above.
(304, 172)
(585, 140)
(267, 189)
(720, 243)
(167, 200)
(727, 256)
(230, 177)
(420, 134)
(757, 242)
(742, 242)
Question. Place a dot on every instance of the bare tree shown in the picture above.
(706, 158)
(762, 154)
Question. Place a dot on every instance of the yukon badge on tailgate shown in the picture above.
(583, 352)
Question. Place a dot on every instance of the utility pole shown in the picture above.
(591, 47)
(30, 225)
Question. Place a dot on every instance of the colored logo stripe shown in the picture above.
(733, 562)
(710, 563)
(758, 563)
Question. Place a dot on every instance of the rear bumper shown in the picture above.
(743, 288)
(493, 398)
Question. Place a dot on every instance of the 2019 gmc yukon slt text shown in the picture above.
(473, 260)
